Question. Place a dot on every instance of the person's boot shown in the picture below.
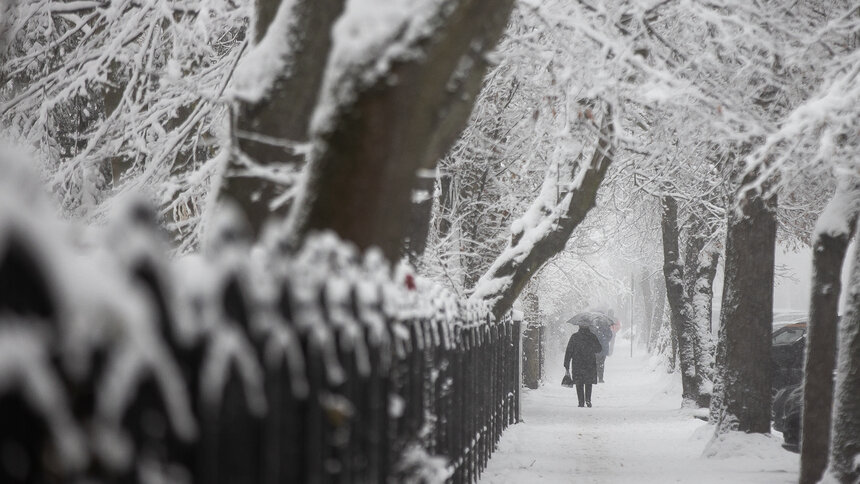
(587, 404)
(582, 405)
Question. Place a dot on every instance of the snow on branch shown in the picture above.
(823, 120)
(270, 58)
(835, 220)
(367, 40)
(115, 97)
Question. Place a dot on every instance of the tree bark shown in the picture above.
(267, 127)
(832, 235)
(669, 341)
(700, 268)
(673, 273)
(845, 444)
(365, 156)
(706, 272)
(701, 299)
(743, 352)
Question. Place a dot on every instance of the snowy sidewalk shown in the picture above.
(635, 433)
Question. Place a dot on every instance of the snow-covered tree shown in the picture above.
(117, 97)
(832, 235)
(845, 434)
(395, 97)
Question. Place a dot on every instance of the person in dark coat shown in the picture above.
(580, 362)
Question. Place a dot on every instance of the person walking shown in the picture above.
(580, 362)
(605, 337)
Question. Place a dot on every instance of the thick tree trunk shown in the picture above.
(832, 235)
(367, 150)
(524, 256)
(673, 273)
(269, 125)
(845, 445)
(743, 365)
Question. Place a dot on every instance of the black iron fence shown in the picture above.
(119, 365)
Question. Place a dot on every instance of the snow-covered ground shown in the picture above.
(635, 433)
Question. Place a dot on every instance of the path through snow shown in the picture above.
(635, 433)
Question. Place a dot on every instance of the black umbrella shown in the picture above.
(600, 324)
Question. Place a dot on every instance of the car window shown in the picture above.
(787, 336)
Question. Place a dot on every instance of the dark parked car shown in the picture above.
(788, 344)
(787, 407)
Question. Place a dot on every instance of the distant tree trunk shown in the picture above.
(473, 257)
(111, 98)
(419, 219)
(833, 233)
(657, 317)
(532, 340)
(521, 259)
(706, 273)
(266, 127)
(366, 154)
(667, 345)
(743, 351)
(647, 308)
(701, 297)
(673, 272)
(845, 444)
(446, 205)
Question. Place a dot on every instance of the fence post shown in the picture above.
(518, 334)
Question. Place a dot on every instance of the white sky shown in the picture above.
(791, 291)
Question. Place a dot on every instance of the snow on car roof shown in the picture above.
(788, 316)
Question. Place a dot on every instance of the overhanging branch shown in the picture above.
(530, 248)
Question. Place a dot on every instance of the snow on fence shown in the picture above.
(120, 365)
